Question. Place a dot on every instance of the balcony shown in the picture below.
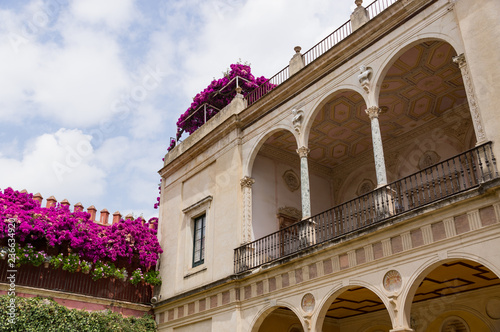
(448, 178)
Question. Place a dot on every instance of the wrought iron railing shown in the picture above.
(449, 177)
(375, 8)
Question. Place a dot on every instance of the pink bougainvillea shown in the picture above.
(218, 94)
(130, 239)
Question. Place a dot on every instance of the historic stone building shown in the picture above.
(357, 192)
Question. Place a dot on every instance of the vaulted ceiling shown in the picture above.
(419, 87)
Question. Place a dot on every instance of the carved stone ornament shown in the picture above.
(365, 77)
(308, 302)
(291, 180)
(290, 211)
(247, 182)
(373, 112)
(365, 187)
(471, 98)
(303, 151)
(428, 159)
(392, 281)
(298, 116)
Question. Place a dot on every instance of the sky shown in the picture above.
(90, 90)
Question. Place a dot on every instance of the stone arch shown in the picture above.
(321, 101)
(249, 158)
(339, 289)
(267, 310)
(413, 282)
(380, 72)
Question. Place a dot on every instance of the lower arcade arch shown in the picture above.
(278, 319)
(458, 295)
(354, 308)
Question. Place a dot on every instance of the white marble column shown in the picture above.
(246, 186)
(378, 150)
(471, 98)
(304, 182)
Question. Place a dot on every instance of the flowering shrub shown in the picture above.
(28, 255)
(189, 121)
(137, 277)
(71, 263)
(58, 226)
(153, 278)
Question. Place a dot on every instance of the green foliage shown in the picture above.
(38, 314)
(153, 278)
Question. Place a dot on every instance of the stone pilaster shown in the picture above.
(471, 98)
(304, 182)
(378, 150)
(246, 186)
(359, 16)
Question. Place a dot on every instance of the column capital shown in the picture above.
(460, 60)
(303, 151)
(373, 112)
(247, 182)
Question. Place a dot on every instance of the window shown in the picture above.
(199, 241)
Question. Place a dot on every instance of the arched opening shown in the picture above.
(276, 200)
(458, 295)
(354, 309)
(279, 319)
(425, 115)
(340, 142)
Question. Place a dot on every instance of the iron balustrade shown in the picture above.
(449, 177)
(375, 8)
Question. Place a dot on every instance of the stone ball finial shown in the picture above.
(238, 89)
(297, 49)
(358, 2)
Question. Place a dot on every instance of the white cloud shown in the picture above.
(116, 14)
(74, 81)
(59, 164)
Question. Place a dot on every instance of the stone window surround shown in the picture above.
(202, 207)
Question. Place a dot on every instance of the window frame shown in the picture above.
(196, 221)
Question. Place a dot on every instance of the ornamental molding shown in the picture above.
(471, 97)
(290, 211)
(303, 152)
(297, 118)
(247, 182)
(365, 77)
(373, 112)
(291, 179)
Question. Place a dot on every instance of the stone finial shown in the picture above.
(359, 16)
(296, 62)
(238, 90)
(51, 201)
(38, 197)
(116, 217)
(92, 211)
(104, 217)
(65, 202)
(78, 207)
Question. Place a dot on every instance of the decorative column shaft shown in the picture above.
(378, 150)
(246, 186)
(471, 98)
(304, 182)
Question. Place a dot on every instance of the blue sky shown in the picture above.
(90, 91)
